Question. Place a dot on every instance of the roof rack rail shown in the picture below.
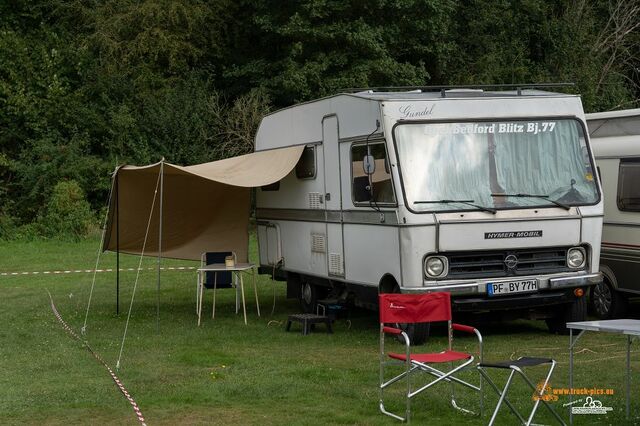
(443, 89)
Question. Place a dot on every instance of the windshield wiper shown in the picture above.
(544, 197)
(467, 202)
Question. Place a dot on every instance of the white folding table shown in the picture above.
(626, 327)
(238, 269)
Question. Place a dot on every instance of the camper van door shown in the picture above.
(333, 195)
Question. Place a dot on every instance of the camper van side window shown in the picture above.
(306, 167)
(629, 185)
(379, 183)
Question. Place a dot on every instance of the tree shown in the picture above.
(306, 49)
(533, 41)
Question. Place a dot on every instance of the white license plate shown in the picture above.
(512, 287)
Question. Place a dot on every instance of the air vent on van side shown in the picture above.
(315, 200)
(335, 264)
(318, 243)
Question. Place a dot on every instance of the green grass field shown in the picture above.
(225, 372)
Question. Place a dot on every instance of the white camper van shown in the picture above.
(488, 195)
(616, 144)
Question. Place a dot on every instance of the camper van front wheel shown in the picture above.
(573, 312)
(418, 332)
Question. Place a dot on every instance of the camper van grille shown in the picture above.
(487, 264)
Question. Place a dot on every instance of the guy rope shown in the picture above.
(115, 378)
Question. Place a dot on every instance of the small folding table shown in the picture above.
(238, 269)
(627, 327)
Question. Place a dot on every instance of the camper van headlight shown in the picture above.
(576, 257)
(435, 266)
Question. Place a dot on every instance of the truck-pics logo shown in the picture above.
(514, 234)
(591, 406)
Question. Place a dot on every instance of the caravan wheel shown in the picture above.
(607, 303)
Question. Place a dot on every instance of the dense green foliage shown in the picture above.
(88, 84)
(67, 212)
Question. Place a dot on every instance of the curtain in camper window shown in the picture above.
(441, 165)
(470, 161)
(545, 163)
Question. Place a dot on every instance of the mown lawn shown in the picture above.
(225, 372)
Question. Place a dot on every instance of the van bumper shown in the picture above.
(472, 296)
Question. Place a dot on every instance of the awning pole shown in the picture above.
(159, 245)
(117, 243)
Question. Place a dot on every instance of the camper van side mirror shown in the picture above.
(369, 164)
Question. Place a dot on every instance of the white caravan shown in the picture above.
(488, 195)
(616, 145)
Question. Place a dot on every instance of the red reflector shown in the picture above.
(578, 292)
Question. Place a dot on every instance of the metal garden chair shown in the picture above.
(418, 308)
(214, 280)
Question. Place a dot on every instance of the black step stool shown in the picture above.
(308, 322)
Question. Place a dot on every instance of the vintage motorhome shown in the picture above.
(616, 144)
(489, 195)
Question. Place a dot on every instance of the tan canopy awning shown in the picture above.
(202, 208)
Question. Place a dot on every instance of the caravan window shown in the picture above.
(379, 183)
(629, 185)
(306, 167)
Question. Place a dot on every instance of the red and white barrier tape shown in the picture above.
(86, 271)
(115, 378)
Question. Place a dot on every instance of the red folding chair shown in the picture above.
(416, 308)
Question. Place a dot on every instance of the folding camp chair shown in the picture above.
(516, 366)
(214, 280)
(418, 308)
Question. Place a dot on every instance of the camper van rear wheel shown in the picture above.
(607, 303)
(573, 312)
(309, 297)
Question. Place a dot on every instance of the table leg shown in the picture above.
(628, 372)
(255, 289)
(215, 285)
(197, 290)
(200, 303)
(244, 306)
(570, 375)
(572, 343)
(235, 284)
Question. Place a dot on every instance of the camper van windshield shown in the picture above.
(501, 164)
